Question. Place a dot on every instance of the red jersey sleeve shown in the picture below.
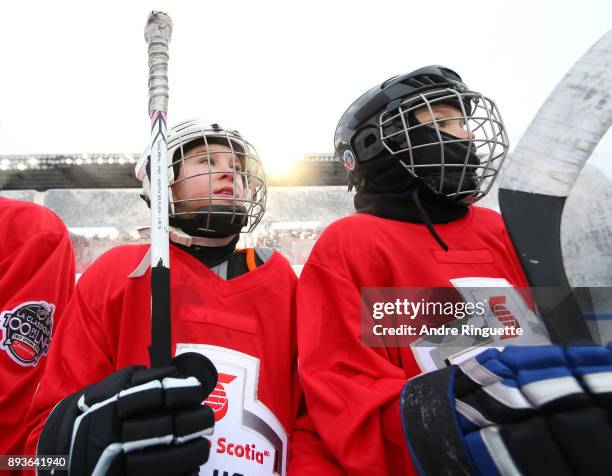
(352, 391)
(81, 333)
(36, 281)
(308, 455)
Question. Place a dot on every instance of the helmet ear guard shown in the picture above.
(371, 156)
(367, 145)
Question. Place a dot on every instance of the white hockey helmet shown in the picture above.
(213, 216)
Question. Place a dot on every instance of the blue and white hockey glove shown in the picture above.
(522, 411)
(137, 421)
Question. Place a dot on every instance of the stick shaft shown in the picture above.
(160, 351)
(157, 35)
(159, 191)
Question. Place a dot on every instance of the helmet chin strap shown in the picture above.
(180, 237)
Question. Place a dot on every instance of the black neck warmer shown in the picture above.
(225, 220)
(211, 256)
(411, 202)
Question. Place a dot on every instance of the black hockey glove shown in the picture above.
(137, 421)
(523, 411)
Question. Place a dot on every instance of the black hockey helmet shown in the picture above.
(380, 128)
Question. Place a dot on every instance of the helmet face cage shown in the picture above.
(486, 138)
(242, 163)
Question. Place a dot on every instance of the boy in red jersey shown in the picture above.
(420, 149)
(233, 307)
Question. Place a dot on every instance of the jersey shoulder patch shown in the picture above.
(27, 331)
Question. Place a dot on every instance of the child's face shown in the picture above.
(208, 175)
(449, 119)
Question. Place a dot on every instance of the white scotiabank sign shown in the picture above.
(248, 439)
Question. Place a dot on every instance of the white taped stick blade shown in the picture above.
(158, 27)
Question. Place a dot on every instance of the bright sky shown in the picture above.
(75, 77)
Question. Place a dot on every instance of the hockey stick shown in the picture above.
(158, 31)
(540, 176)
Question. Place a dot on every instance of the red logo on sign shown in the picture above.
(497, 304)
(217, 400)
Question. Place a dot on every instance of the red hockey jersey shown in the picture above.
(36, 281)
(352, 391)
(245, 325)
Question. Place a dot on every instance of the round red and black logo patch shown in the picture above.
(27, 331)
